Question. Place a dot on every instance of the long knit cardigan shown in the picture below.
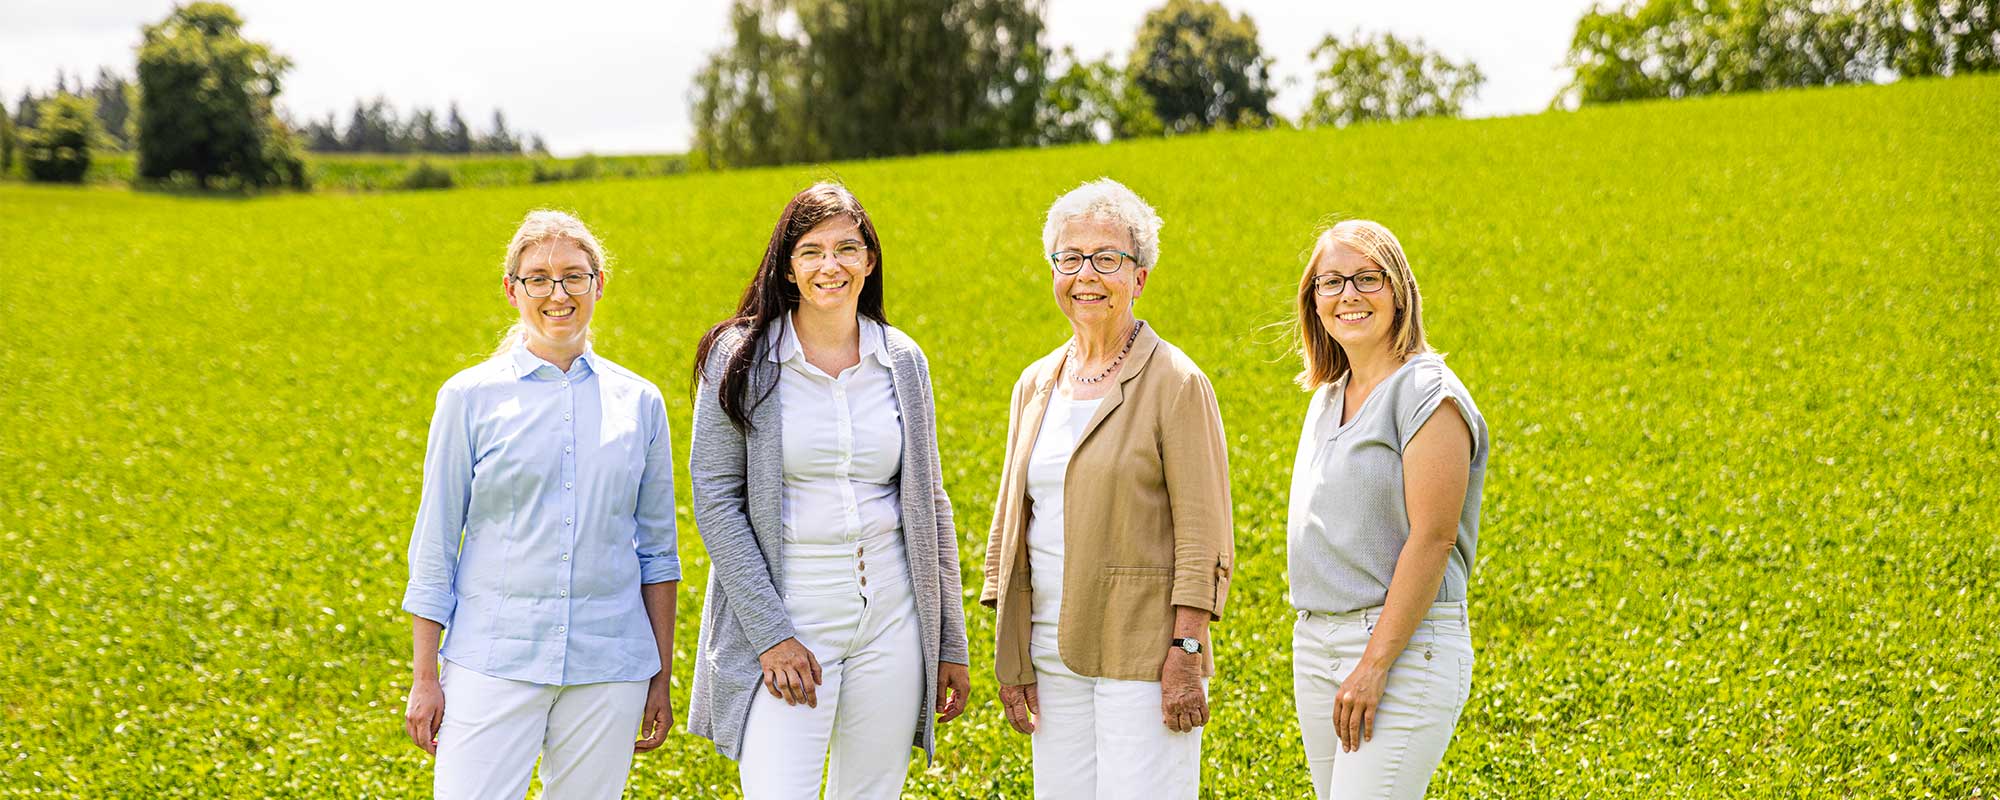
(738, 479)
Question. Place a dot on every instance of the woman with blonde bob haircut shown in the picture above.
(544, 542)
(1383, 520)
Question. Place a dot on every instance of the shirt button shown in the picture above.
(565, 384)
(857, 551)
(567, 448)
(563, 593)
(565, 416)
(562, 629)
(864, 580)
(565, 556)
(861, 565)
(566, 484)
(567, 520)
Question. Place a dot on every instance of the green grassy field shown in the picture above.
(1735, 355)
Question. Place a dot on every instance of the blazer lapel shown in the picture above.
(1142, 352)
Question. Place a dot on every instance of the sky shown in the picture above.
(612, 76)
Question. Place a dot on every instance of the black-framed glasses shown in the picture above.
(540, 286)
(1070, 262)
(846, 254)
(1367, 281)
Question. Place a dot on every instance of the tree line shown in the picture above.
(375, 127)
(807, 80)
(811, 80)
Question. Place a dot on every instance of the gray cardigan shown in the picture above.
(738, 487)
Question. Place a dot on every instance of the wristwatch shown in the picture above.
(1187, 645)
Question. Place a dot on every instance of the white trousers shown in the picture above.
(1427, 689)
(872, 685)
(495, 727)
(1100, 738)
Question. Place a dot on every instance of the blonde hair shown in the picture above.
(545, 225)
(1325, 362)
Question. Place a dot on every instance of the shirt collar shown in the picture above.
(784, 346)
(527, 364)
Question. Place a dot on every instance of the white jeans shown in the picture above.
(1103, 738)
(1427, 689)
(871, 667)
(495, 727)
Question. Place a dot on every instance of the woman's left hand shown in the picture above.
(1355, 705)
(659, 716)
(1183, 700)
(954, 685)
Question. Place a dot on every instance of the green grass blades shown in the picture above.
(1735, 353)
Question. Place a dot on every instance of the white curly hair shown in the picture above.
(1109, 201)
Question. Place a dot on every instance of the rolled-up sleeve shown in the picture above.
(1195, 457)
(655, 536)
(434, 541)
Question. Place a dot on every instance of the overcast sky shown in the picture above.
(612, 76)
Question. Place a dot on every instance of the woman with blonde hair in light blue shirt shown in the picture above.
(544, 546)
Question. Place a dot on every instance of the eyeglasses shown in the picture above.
(846, 254)
(540, 286)
(1367, 281)
(1070, 262)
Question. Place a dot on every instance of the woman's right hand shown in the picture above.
(1021, 705)
(425, 714)
(791, 672)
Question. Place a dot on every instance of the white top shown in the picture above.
(1048, 464)
(843, 441)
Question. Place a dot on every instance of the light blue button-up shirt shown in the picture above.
(548, 499)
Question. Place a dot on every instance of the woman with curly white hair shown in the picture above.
(1111, 546)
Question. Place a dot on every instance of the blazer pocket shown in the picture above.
(1137, 619)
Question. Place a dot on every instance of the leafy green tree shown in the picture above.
(58, 149)
(864, 78)
(206, 103)
(1647, 49)
(1202, 67)
(748, 101)
(1380, 77)
(1937, 37)
(1091, 101)
(898, 77)
(7, 143)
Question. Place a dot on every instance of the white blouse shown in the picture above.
(843, 442)
(1048, 467)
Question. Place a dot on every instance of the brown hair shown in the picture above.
(1325, 362)
(769, 297)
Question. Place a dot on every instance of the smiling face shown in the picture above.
(1091, 298)
(560, 321)
(824, 283)
(1357, 320)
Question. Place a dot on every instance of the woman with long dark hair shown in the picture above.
(833, 625)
